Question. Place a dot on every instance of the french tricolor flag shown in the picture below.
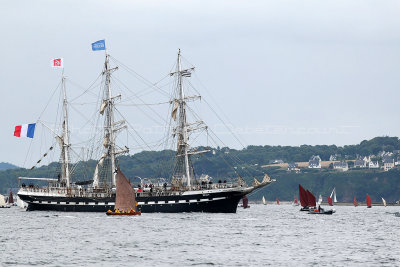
(25, 130)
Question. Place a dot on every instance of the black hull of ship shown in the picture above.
(222, 202)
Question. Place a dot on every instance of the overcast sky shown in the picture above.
(284, 72)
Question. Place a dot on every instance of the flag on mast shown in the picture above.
(25, 130)
(99, 45)
(57, 63)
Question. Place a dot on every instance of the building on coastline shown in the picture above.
(341, 166)
(314, 162)
(360, 163)
(293, 167)
(373, 164)
(388, 163)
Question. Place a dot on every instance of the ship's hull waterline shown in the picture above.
(217, 202)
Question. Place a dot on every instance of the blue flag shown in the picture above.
(99, 45)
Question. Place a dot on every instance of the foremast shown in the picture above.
(110, 126)
(64, 140)
(183, 169)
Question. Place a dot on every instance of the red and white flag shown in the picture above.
(57, 63)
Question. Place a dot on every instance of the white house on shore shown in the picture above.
(388, 163)
(341, 166)
(373, 164)
(314, 162)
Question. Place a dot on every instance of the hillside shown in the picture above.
(226, 163)
(6, 166)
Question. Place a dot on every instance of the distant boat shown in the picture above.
(245, 202)
(3, 203)
(277, 201)
(384, 202)
(125, 202)
(264, 201)
(303, 199)
(295, 202)
(332, 197)
(11, 198)
(319, 200)
(355, 202)
(368, 202)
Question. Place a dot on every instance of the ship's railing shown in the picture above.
(62, 191)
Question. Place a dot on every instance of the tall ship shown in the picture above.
(184, 191)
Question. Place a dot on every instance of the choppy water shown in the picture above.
(262, 235)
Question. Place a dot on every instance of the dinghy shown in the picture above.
(125, 201)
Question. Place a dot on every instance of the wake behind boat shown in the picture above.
(185, 192)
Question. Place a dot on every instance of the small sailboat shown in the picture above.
(368, 201)
(295, 202)
(3, 203)
(303, 199)
(319, 200)
(315, 210)
(125, 202)
(384, 202)
(11, 198)
(264, 201)
(277, 201)
(332, 198)
(355, 202)
(245, 202)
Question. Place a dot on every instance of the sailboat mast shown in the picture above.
(183, 135)
(110, 120)
(65, 148)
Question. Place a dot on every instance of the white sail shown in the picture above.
(264, 201)
(2, 201)
(384, 202)
(21, 203)
(319, 200)
(333, 194)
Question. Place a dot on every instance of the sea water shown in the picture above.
(275, 235)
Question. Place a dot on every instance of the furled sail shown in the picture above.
(125, 194)
(175, 109)
(103, 107)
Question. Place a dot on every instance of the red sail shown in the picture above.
(355, 202)
(295, 200)
(10, 197)
(368, 201)
(125, 194)
(245, 201)
(277, 201)
(330, 201)
(311, 200)
(303, 196)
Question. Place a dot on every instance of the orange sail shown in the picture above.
(125, 194)
(368, 201)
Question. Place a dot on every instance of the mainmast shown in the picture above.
(110, 126)
(65, 137)
(183, 135)
(183, 166)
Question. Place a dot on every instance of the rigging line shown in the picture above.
(144, 91)
(132, 128)
(221, 111)
(153, 104)
(49, 100)
(158, 115)
(86, 90)
(137, 74)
